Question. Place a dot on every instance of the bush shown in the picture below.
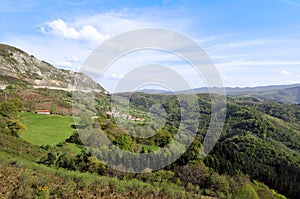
(220, 185)
(16, 126)
(247, 191)
(195, 173)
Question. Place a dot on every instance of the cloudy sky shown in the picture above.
(251, 42)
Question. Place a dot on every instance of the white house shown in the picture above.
(43, 112)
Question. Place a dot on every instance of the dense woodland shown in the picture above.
(258, 150)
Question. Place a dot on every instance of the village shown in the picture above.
(117, 114)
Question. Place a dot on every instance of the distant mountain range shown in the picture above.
(283, 93)
(279, 93)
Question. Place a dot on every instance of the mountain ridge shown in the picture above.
(17, 66)
(278, 93)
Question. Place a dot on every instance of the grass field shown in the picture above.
(46, 129)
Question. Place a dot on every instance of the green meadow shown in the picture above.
(46, 129)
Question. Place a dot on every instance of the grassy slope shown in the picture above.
(46, 129)
(14, 146)
(21, 177)
(24, 179)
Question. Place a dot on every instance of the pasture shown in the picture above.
(46, 129)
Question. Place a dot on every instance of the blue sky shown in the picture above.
(251, 43)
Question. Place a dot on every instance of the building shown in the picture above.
(43, 112)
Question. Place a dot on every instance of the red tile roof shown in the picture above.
(42, 111)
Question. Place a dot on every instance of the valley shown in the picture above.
(43, 156)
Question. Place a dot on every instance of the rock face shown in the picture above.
(19, 67)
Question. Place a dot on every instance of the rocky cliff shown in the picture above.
(18, 66)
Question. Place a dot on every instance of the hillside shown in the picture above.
(59, 171)
(48, 168)
(19, 67)
(22, 177)
(260, 138)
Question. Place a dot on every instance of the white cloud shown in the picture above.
(67, 62)
(116, 76)
(237, 63)
(60, 28)
(86, 33)
(284, 72)
(291, 2)
(241, 44)
(112, 23)
(64, 64)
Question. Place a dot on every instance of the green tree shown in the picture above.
(247, 191)
(163, 138)
(66, 161)
(95, 166)
(16, 126)
(220, 184)
(8, 109)
(124, 142)
(18, 103)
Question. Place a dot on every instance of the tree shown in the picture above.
(124, 142)
(219, 183)
(18, 103)
(163, 138)
(8, 109)
(66, 161)
(195, 173)
(3, 124)
(247, 191)
(95, 166)
(16, 126)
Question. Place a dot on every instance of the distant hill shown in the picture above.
(154, 91)
(18, 66)
(285, 94)
(278, 93)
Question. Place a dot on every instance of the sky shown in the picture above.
(250, 42)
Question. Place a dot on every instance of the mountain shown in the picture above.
(289, 95)
(154, 91)
(278, 93)
(281, 93)
(18, 66)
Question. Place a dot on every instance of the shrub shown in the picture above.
(247, 191)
